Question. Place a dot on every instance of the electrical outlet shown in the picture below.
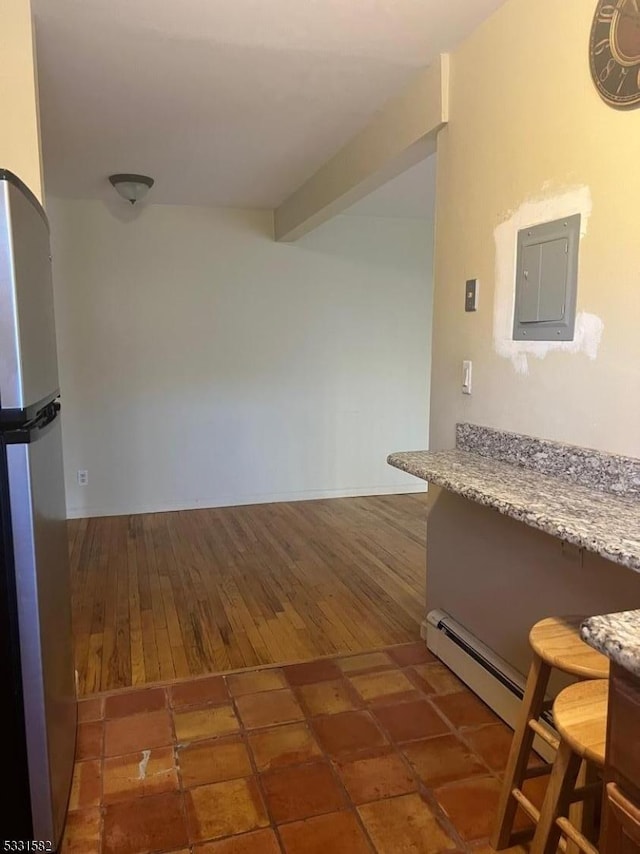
(83, 477)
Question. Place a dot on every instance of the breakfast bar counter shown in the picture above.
(617, 636)
(598, 521)
(585, 497)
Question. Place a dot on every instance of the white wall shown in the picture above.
(202, 364)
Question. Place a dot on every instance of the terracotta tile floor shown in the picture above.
(382, 752)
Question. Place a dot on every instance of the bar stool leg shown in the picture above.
(556, 800)
(530, 709)
(582, 813)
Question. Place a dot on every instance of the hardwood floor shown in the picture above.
(172, 595)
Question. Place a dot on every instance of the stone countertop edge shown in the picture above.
(617, 636)
(606, 524)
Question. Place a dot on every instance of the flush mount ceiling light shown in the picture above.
(131, 187)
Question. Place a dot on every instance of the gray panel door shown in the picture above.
(38, 517)
(529, 292)
(555, 263)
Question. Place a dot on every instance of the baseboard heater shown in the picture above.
(489, 676)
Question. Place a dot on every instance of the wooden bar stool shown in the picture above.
(580, 716)
(556, 643)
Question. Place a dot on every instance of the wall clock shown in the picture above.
(614, 52)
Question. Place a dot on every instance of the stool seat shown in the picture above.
(557, 641)
(580, 716)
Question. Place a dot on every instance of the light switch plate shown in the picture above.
(466, 376)
(471, 295)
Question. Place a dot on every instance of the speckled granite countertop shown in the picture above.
(616, 635)
(601, 522)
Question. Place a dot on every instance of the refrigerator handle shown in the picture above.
(35, 429)
(48, 414)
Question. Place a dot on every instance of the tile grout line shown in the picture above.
(458, 733)
(368, 707)
(421, 787)
(166, 683)
(331, 761)
(347, 802)
(394, 749)
(314, 760)
(176, 760)
(255, 775)
(353, 807)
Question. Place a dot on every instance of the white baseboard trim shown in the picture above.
(483, 674)
(240, 500)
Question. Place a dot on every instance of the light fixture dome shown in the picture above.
(131, 187)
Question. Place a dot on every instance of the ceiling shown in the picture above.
(223, 102)
(411, 194)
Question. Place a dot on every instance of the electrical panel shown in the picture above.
(546, 281)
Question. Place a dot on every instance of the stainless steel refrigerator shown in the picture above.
(36, 655)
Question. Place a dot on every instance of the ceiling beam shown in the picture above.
(399, 135)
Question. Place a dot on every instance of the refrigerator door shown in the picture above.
(38, 524)
(28, 358)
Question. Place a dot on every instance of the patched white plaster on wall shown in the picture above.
(589, 327)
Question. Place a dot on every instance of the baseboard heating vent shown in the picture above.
(489, 676)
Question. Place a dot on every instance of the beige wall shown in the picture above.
(203, 364)
(529, 138)
(497, 576)
(19, 128)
